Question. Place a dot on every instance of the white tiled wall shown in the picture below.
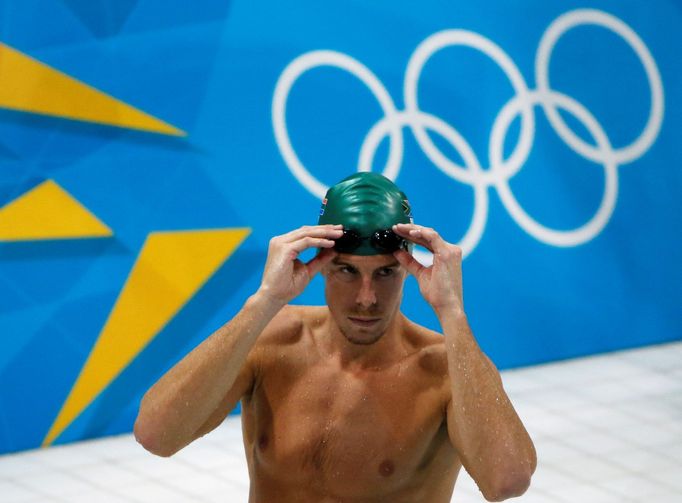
(607, 429)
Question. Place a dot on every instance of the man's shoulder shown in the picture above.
(423, 338)
(289, 324)
(429, 348)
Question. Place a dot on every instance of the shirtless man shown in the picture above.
(350, 402)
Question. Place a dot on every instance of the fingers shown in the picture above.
(308, 242)
(316, 264)
(408, 262)
(424, 236)
(315, 231)
(296, 241)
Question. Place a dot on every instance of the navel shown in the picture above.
(386, 468)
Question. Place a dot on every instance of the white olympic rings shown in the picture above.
(500, 170)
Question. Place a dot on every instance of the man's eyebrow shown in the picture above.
(338, 261)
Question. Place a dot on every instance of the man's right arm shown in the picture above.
(207, 383)
(196, 394)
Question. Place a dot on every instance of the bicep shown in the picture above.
(480, 430)
(282, 323)
(243, 385)
(455, 430)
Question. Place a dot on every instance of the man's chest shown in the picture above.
(349, 429)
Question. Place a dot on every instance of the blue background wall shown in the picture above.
(533, 293)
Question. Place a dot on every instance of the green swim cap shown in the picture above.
(366, 203)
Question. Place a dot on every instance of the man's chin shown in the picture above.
(362, 342)
(362, 337)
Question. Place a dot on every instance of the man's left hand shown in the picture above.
(441, 283)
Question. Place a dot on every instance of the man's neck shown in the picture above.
(389, 349)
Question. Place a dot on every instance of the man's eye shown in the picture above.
(347, 269)
(388, 271)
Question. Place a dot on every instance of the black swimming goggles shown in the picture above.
(383, 241)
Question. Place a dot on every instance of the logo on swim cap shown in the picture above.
(324, 205)
(407, 209)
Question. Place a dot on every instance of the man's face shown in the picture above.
(363, 294)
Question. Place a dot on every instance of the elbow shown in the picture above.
(510, 490)
(513, 479)
(148, 437)
(511, 485)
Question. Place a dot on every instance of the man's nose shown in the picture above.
(366, 296)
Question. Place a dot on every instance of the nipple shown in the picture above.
(386, 468)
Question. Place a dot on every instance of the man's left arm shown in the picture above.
(483, 426)
(493, 444)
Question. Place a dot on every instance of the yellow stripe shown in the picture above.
(48, 212)
(31, 86)
(171, 268)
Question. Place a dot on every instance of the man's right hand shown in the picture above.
(285, 276)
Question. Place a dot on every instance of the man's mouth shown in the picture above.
(364, 322)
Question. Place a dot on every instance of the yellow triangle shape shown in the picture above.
(48, 212)
(31, 86)
(171, 268)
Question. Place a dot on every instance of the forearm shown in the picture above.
(173, 410)
(482, 421)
